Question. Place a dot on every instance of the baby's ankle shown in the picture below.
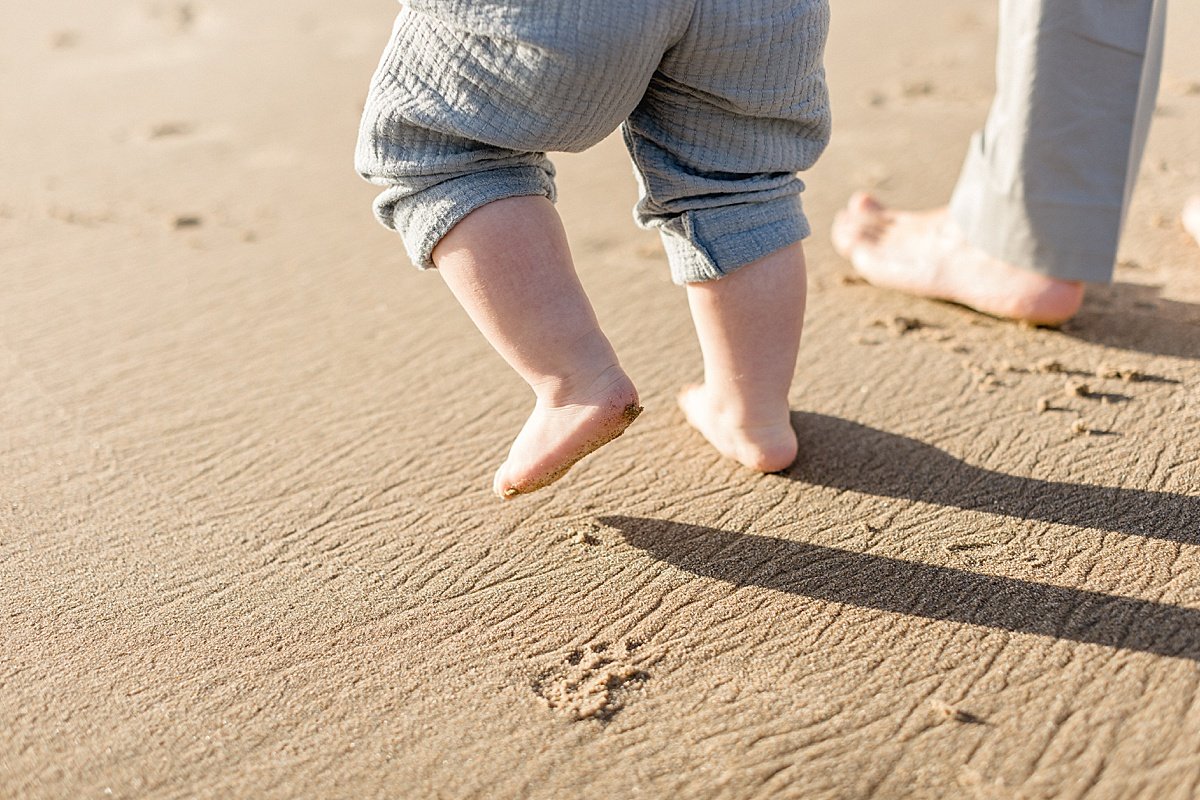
(601, 384)
(747, 407)
(760, 438)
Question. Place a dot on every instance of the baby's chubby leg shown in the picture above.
(457, 137)
(509, 266)
(749, 324)
(737, 108)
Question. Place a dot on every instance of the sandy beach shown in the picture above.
(248, 545)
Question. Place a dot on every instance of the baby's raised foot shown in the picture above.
(559, 433)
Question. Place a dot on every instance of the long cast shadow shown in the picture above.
(847, 455)
(1136, 317)
(915, 589)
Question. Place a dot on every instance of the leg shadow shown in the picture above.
(845, 455)
(921, 590)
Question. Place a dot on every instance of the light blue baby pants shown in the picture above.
(721, 103)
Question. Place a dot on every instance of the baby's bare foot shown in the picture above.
(559, 433)
(924, 253)
(765, 446)
(1191, 217)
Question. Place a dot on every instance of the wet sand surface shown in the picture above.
(248, 546)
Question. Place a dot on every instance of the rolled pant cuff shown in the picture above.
(423, 218)
(1058, 240)
(709, 243)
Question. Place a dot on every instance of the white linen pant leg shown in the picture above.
(1047, 182)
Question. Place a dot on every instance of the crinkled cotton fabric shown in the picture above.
(721, 103)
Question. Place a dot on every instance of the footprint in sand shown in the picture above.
(79, 217)
(177, 15)
(906, 92)
(170, 130)
(592, 683)
(913, 89)
(64, 40)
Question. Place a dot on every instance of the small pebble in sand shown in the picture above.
(1080, 428)
(1077, 389)
(1127, 374)
(186, 221)
(949, 712)
(583, 537)
(898, 325)
(1043, 405)
(1050, 365)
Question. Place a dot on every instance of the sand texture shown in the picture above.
(248, 546)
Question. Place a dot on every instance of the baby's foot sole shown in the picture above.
(554, 439)
(924, 253)
(763, 448)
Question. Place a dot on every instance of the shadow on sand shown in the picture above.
(915, 589)
(846, 455)
(849, 456)
(1135, 317)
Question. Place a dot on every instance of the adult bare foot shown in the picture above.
(924, 253)
(1191, 217)
(760, 444)
(565, 427)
